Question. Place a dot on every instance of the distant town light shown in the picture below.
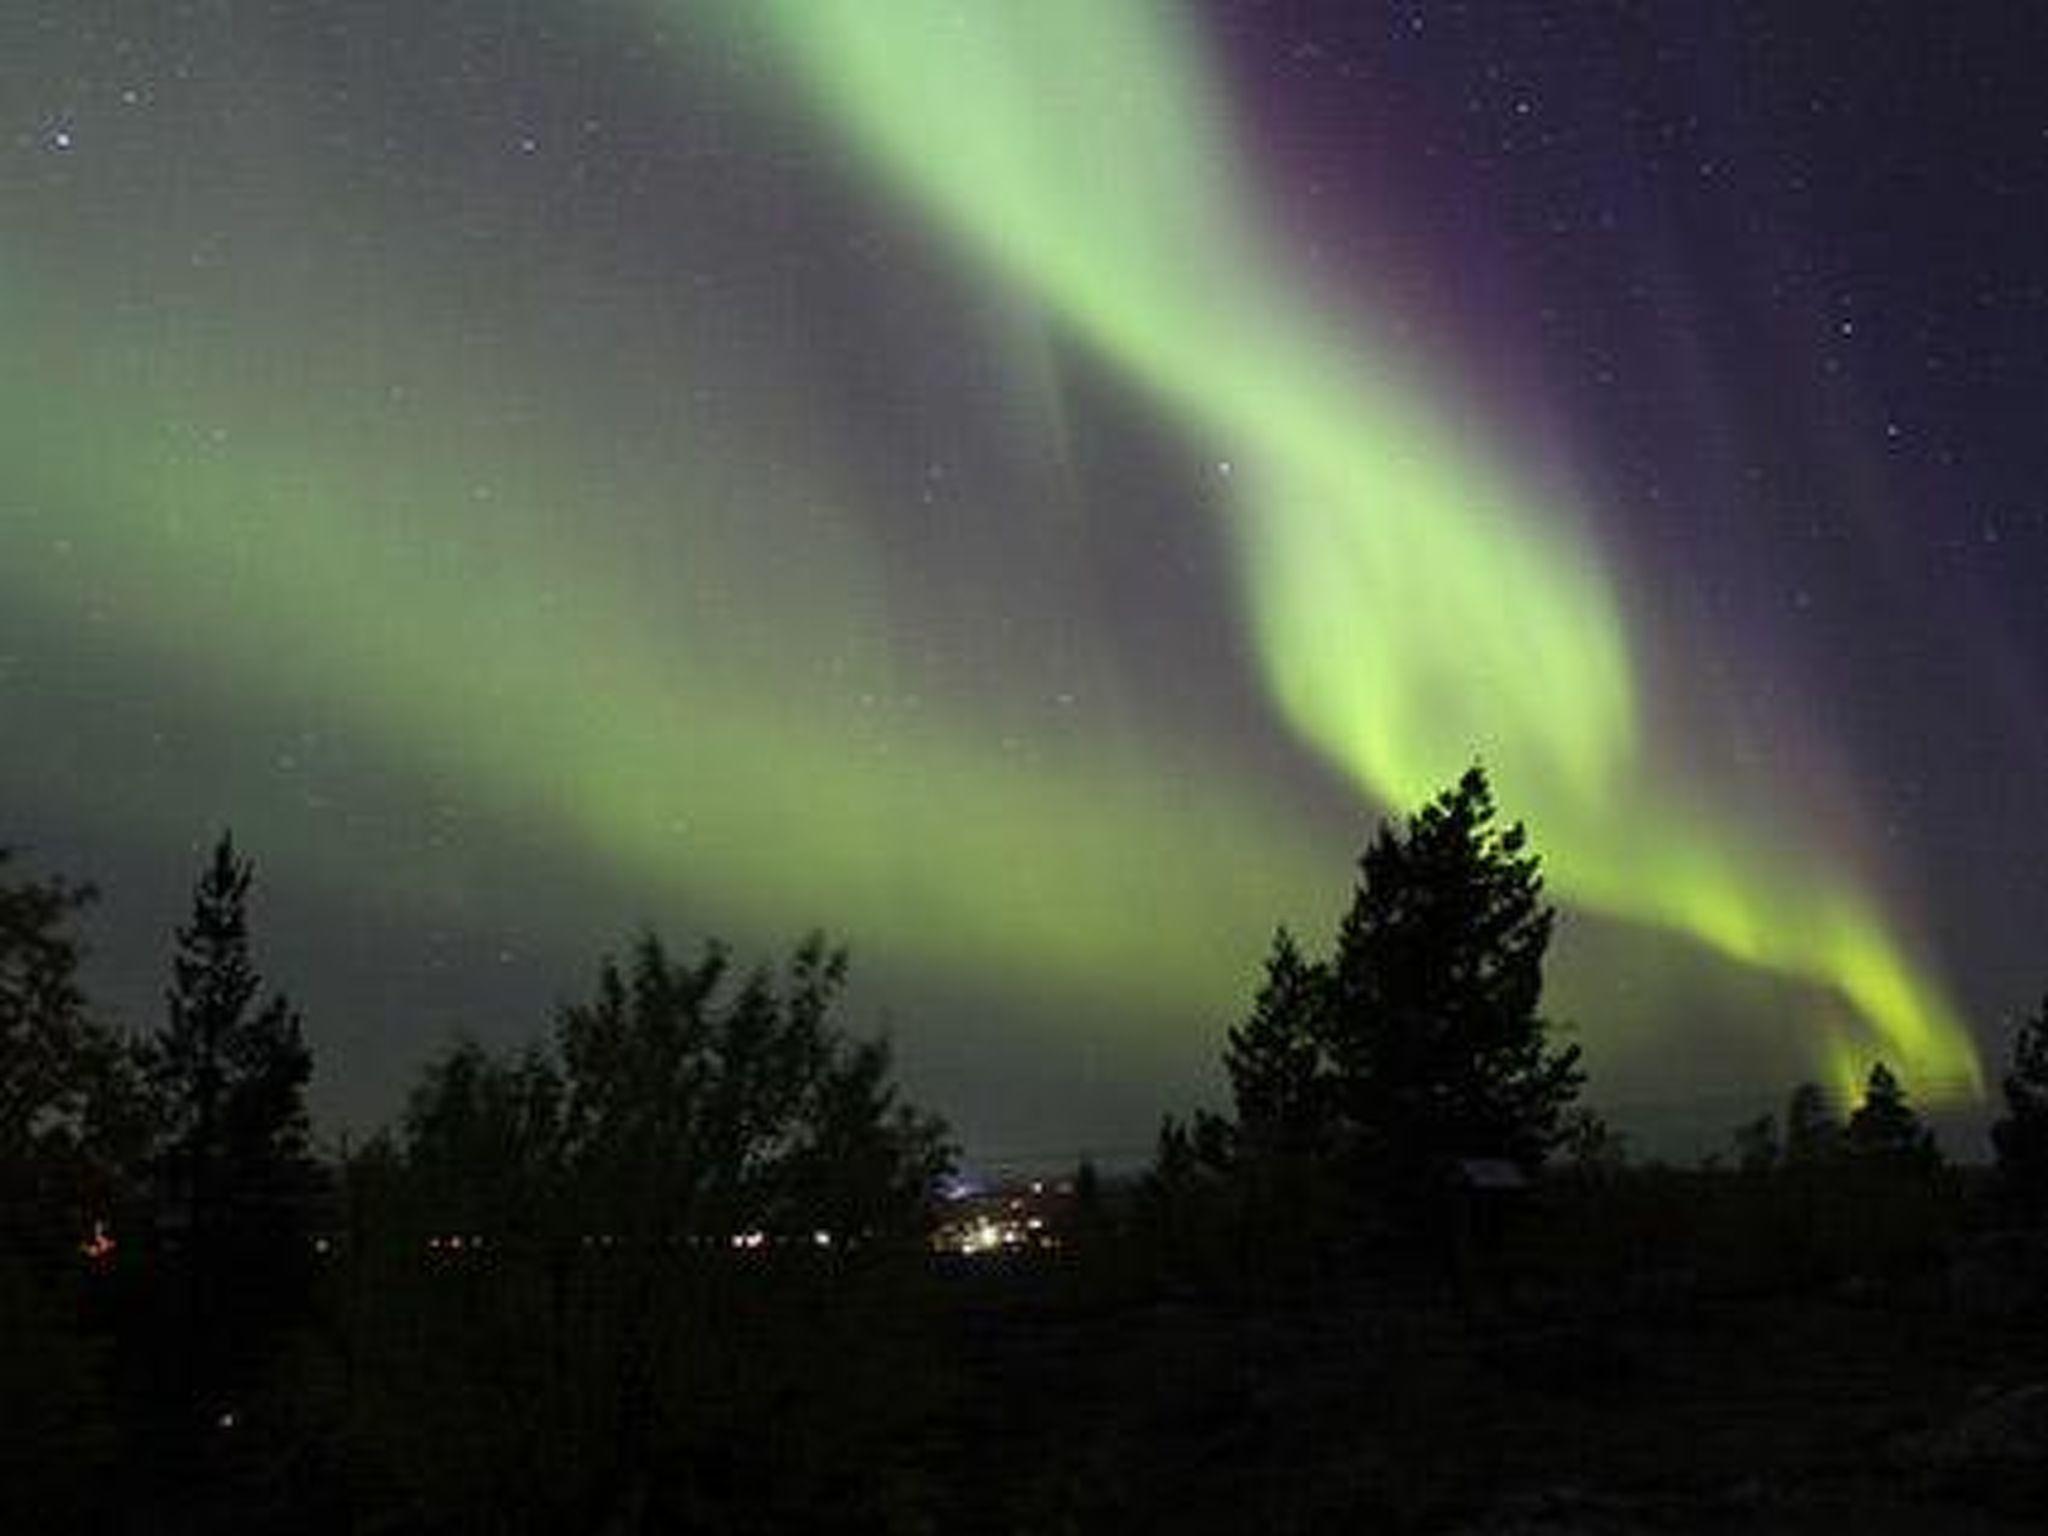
(98, 1248)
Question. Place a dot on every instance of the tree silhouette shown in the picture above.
(2021, 1134)
(42, 1015)
(1275, 1059)
(70, 1112)
(1361, 1084)
(1757, 1148)
(693, 1105)
(1437, 1047)
(69, 1124)
(1812, 1134)
(1591, 1145)
(685, 1110)
(1884, 1130)
(483, 1141)
(228, 1075)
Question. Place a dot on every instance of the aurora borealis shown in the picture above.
(1022, 487)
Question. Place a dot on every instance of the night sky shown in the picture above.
(1023, 487)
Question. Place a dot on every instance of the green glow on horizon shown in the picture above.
(1412, 604)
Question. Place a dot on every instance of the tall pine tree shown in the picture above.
(228, 1072)
(1275, 1057)
(1439, 1048)
(1813, 1136)
(1884, 1130)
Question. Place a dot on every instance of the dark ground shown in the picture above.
(1052, 1394)
(1900, 1412)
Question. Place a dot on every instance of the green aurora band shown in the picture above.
(597, 690)
(1412, 606)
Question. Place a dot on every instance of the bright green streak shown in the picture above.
(511, 651)
(1412, 605)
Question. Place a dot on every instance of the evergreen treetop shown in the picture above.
(1275, 1058)
(229, 1073)
(2021, 1134)
(1438, 1045)
(1885, 1129)
(1812, 1134)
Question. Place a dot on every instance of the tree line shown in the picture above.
(1385, 1094)
(527, 1301)
(669, 1253)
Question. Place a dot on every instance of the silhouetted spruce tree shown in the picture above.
(1813, 1136)
(1437, 1046)
(228, 1072)
(1200, 1148)
(1187, 1209)
(1885, 1130)
(1275, 1059)
(1892, 1210)
(2021, 1134)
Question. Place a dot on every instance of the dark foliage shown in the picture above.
(236, 1185)
(483, 1142)
(1593, 1150)
(663, 1270)
(1758, 1149)
(2021, 1134)
(229, 1075)
(1884, 1130)
(1364, 1085)
(692, 1102)
(1437, 1045)
(1830, 1201)
(70, 1110)
(1191, 1204)
(1813, 1135)
(69, 1129)
(1276, 1060)
(665, 1263)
